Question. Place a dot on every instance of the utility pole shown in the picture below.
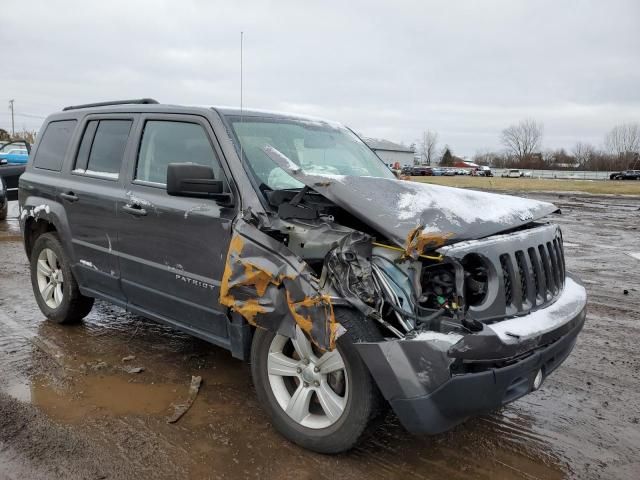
(13, 129)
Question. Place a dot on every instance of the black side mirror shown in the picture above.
(192, 180)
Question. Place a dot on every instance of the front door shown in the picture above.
(90, 197)
(173, 249)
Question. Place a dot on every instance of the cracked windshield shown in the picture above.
(317, 147)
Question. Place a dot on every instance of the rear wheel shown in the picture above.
(3, 211)
(321, 401)
(54, 285)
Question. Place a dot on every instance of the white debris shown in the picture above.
(201, 207)
(328, 176)
(566, 307)
(462, 205)
(137, 200)
(41, 208)
(443, 337)
(284, 161)
(635, 255)
(86, 263)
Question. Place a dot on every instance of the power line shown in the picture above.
(30, 115)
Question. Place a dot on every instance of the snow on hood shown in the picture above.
(396, 207)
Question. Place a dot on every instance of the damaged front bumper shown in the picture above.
(435, 381)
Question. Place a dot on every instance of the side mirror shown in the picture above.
(192, 180)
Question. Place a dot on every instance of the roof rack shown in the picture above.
(143, 101)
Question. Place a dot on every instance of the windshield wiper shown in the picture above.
(295, 209)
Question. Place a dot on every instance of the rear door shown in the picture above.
(173, 249)
(91, 196)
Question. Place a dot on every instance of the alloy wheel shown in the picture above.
(50, 278)
(310, 386)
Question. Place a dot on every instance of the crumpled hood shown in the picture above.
(395, 208)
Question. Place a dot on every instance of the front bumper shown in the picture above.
(436, 381)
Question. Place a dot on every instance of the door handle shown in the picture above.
(134, 209)
(70, 196)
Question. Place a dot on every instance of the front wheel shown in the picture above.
(321, 401)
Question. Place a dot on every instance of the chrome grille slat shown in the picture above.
(507, 278)
(527, 280)
(554, 266)
(548, 276)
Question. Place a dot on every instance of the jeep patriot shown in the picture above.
(287, 241)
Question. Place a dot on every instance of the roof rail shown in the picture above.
(144, 101)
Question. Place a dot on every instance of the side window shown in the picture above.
(102, 148)
(54, 144)
(165, 142)
(85, 146)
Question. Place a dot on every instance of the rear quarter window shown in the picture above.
(54, 144)
(102, 148)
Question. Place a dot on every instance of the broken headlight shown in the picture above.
(476, 279)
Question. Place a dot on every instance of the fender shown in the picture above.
(37, 208)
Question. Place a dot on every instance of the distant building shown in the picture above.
(390, 152)
(462, 163)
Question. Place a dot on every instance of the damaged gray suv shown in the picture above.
(289, 242)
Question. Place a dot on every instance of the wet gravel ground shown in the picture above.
(69, 408)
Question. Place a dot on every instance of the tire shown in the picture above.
(3, 211)
(56, 290)
(362, 401)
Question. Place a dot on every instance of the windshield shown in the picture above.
(315, 146)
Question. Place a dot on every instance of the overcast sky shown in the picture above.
(466, 69)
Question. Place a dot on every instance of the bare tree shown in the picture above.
(428, 145)
(623, 139)
(523, 139)
(583, 153)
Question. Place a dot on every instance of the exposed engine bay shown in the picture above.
(436, 267)
(403, 291)
(404, 295)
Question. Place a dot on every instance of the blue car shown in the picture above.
(15, 155)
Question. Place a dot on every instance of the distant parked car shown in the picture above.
(15, 155)
(513, 173)
(484, 171)
(16, 152)
(421, 170)
(625, 175)
(11, 171)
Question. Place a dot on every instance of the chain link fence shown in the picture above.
(560, 174)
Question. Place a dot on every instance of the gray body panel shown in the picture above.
(166, 265)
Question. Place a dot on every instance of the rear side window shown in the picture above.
(165, 142)
(102, 148)
(53, 145)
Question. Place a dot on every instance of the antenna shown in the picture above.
(241, 88)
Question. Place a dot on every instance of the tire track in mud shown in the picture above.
(595, 393)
